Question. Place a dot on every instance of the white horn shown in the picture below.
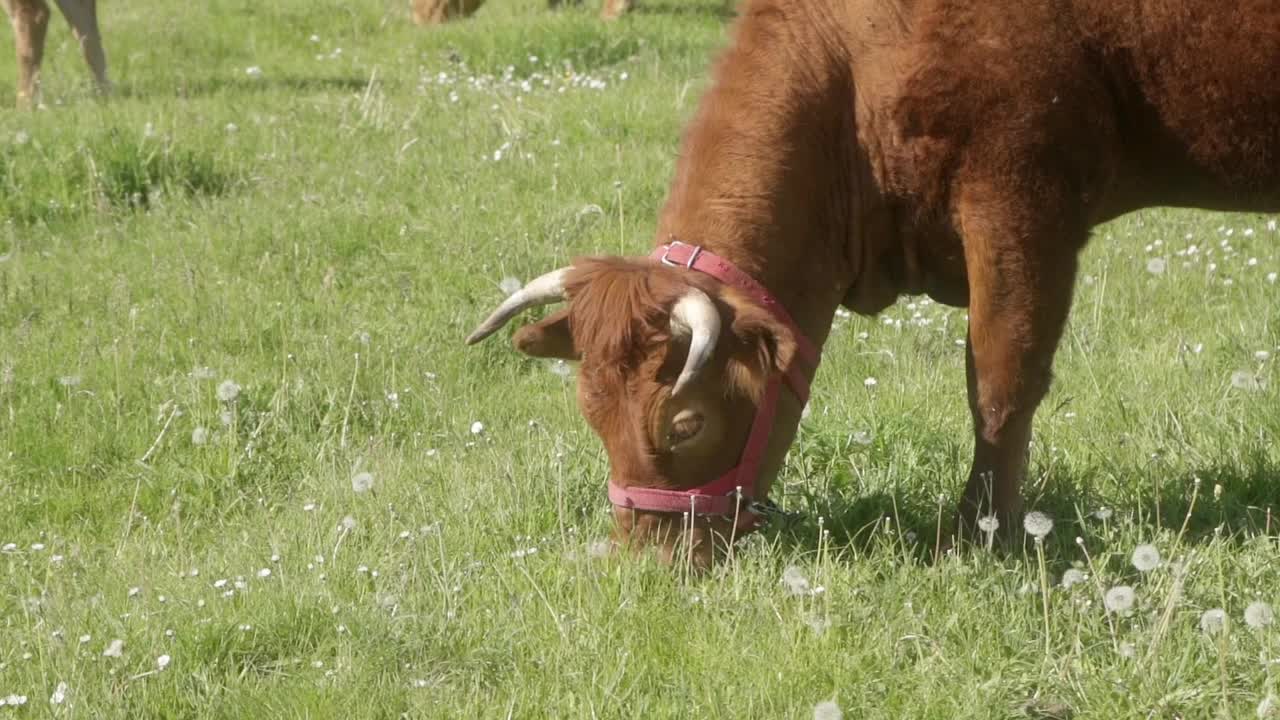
(542, 290)
(695, 315)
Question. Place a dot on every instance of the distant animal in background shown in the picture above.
(435, 12)
(30, 19)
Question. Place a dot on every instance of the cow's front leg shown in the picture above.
(1020, 285)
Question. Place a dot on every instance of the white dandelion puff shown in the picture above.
(59, 695)
(1127, 650)
(509, 285)
(264, 573)
(1258, 615)
(254, 72)
(796, 582)
(1156, 266)
(870, 382)
(162, 662)
(477, 427)
(362, 482)
(1072, 576)
(1213, 620)
(348, 523)
(1037, 524)
(199, 436)
(114, 649)
(228, 391)
(827, 710)
(14, 700)
(988, 523)
(1146, 558)
(1119, 599)
(1245, 380)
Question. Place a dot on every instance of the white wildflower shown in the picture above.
(14, 700)
(228, 391)
(1119, 599)
(1258, 615)
(1245, 380)
(796, 582)
(1146, 558)
(1213, 620)
(477, 427)
(362, 482)
(1037, 524)
(1072, 576)
(162, 662)
(264, 573)
(827, 710)
(870, 382)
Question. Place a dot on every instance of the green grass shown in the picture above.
(325, 235)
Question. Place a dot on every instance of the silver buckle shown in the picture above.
(693, 257)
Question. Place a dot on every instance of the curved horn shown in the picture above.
(695, 314)
(542, 290)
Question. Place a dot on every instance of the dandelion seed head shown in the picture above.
(1258, 615)
(1037, 524)
(362, 482)
(228, 391)
(509, 285)
(1127, 650)
(988, 523)
(795, 581)
(162, 662)
(477, 427)
(1156, 266)
(1146, 558)
(1213, 620)
(1119, 599)
(59, 695)
(1072, 576)
(1103, 513)
(827, 710)
(264, 573)
(114, 649)
(199, 436)
(348, 523)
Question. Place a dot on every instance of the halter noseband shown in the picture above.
(732, 493)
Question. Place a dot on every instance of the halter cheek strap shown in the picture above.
(732, 493)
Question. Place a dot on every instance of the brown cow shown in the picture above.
(434, 12)
(850, 151)
(30, 19)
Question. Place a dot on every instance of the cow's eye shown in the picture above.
(685, 425)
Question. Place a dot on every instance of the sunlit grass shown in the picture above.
(239, 429)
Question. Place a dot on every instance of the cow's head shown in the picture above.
(673, 364)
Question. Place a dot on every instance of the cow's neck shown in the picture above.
(765, 175)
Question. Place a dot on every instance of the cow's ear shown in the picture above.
(763, 345)
(547, 338)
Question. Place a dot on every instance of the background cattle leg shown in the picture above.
(1020, 285)
(435, 12)
(82, 15)
(30, 19)
(614, 9)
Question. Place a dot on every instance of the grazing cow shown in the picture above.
(434, 12)
(850, 151)
(30, 19)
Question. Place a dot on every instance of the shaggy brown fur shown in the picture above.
(850, 151)
(30, 20)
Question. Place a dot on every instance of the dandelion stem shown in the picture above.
(1044, 595)
(168, 421)
(1170, 604)
(1195, 493)
(1102, 593)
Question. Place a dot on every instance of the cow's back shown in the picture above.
(1193, 83)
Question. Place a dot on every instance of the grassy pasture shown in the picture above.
(243, 282)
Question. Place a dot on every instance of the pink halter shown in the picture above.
(721, 496)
